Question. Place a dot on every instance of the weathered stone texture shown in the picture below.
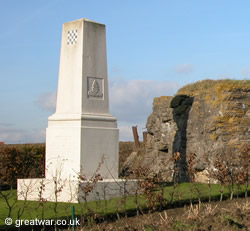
(216, 121)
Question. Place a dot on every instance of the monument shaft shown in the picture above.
(82, 131)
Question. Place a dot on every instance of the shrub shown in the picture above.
(21, 161)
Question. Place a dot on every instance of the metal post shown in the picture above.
(73, 218)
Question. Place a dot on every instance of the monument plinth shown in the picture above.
(82, 135)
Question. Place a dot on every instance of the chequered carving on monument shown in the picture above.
(95, 86)
(72, 37)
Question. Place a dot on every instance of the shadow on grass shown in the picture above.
(96, 217)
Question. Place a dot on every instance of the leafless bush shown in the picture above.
(209, 174)
(86, 187)
(150, 186)
(244, 170)
(221, 173)
(191, 171)
(176, 157)
(7, 197)
(10, 200)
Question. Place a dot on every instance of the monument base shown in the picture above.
(81, 144)
(41, 189)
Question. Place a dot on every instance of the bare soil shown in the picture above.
(227, 215)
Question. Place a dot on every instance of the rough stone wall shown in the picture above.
(210, 123)
(160, 138)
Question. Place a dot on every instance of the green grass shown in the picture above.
(179, 225)
(181, 194)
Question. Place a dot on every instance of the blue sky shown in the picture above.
(154, 47)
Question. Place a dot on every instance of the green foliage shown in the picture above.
(182, 226)
(149, 228)
(157, 195)
(102, 208)
(22, 161)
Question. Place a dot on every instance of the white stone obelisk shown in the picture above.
(82, 135)
(82, 131)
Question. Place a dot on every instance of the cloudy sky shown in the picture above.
(154, 47)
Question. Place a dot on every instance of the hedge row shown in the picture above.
(21, 161)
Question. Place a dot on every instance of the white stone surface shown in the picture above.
(82, 136)
(30, 189)
(82, 130)
(80, 64)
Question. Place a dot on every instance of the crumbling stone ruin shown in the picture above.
(208, 118)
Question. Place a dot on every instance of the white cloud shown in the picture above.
(47, 101)
(185, 68)
(6, 125)
(125, 130)
(130, 101)
(11, 135)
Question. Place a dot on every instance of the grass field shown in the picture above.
(184, 193)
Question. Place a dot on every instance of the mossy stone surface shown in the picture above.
(208, 118)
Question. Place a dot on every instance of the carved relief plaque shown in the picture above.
(95, 87)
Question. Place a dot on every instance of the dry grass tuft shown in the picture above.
(201, 87)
